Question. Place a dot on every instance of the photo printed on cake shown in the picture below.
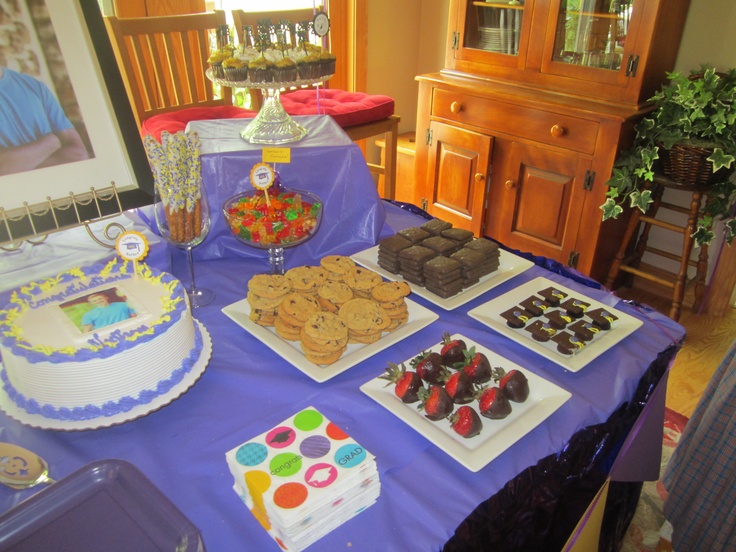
(98, 310)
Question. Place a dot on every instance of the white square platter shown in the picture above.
(239, 312)
(490, 314)
(509, 266)
(496, 436)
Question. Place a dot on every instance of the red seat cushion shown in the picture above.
(347, 108)
(177, 120)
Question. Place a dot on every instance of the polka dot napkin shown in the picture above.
(303, 478)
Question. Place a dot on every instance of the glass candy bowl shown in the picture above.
(287, 219)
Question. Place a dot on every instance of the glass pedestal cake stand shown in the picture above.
(288, 227)
(272, 125)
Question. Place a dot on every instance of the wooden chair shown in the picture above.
(163, 61)
(630, 262)
(387, 125)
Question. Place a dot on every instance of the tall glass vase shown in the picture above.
(183, 218)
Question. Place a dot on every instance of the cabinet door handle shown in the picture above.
(558, 131)
(480, 177)
(510, 184)
(456, 107)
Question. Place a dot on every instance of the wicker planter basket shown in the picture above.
(689, 165)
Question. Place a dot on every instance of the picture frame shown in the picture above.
(117, 176)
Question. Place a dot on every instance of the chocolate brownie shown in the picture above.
(414, 279)
(443, 279)
(392, 267)
(414, 234)
(417, 254)
(441, 265)
(468, 257)
(443, 246)
(445, 292)
(487, 247)
(458, 234)
(393, 244)
(435, 226)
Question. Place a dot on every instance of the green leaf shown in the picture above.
(703, 236)
(611, 209)
(730, 229)
(720, 159)
(641, 200)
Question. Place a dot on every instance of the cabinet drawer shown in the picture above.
(534, 124)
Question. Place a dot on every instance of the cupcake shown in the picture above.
(260, 70)
(215, 60)
(285, 70)
(235, 69)
(327, 62)
(308, 67)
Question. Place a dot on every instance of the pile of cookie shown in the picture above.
(566, 321)
(326, 307)
(439, 257)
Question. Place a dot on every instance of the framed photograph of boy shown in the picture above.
(66, 125)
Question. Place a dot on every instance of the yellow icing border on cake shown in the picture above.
(21, 306)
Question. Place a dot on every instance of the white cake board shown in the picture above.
(190, 378)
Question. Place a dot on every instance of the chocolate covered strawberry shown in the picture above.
(466, 422)
(493, 404)
(477, 366)
(429, 367)
(436, 403)
(452, 350)
(408, 383)
(460, 387)
(513, 384)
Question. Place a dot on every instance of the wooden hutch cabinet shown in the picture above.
(517, 136)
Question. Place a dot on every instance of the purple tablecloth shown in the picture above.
(247, 388)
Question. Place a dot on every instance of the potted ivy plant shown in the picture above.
(693, 121)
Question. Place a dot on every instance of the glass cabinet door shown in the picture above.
(495, 27)
(491, 33)
(592, 33)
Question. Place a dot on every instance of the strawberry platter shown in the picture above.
(478, 428)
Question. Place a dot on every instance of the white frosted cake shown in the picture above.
(96, 341)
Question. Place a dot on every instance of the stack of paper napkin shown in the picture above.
(303, 478)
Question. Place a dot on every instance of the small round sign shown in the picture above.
(132, 246)
(321, 24)
(262, 176)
